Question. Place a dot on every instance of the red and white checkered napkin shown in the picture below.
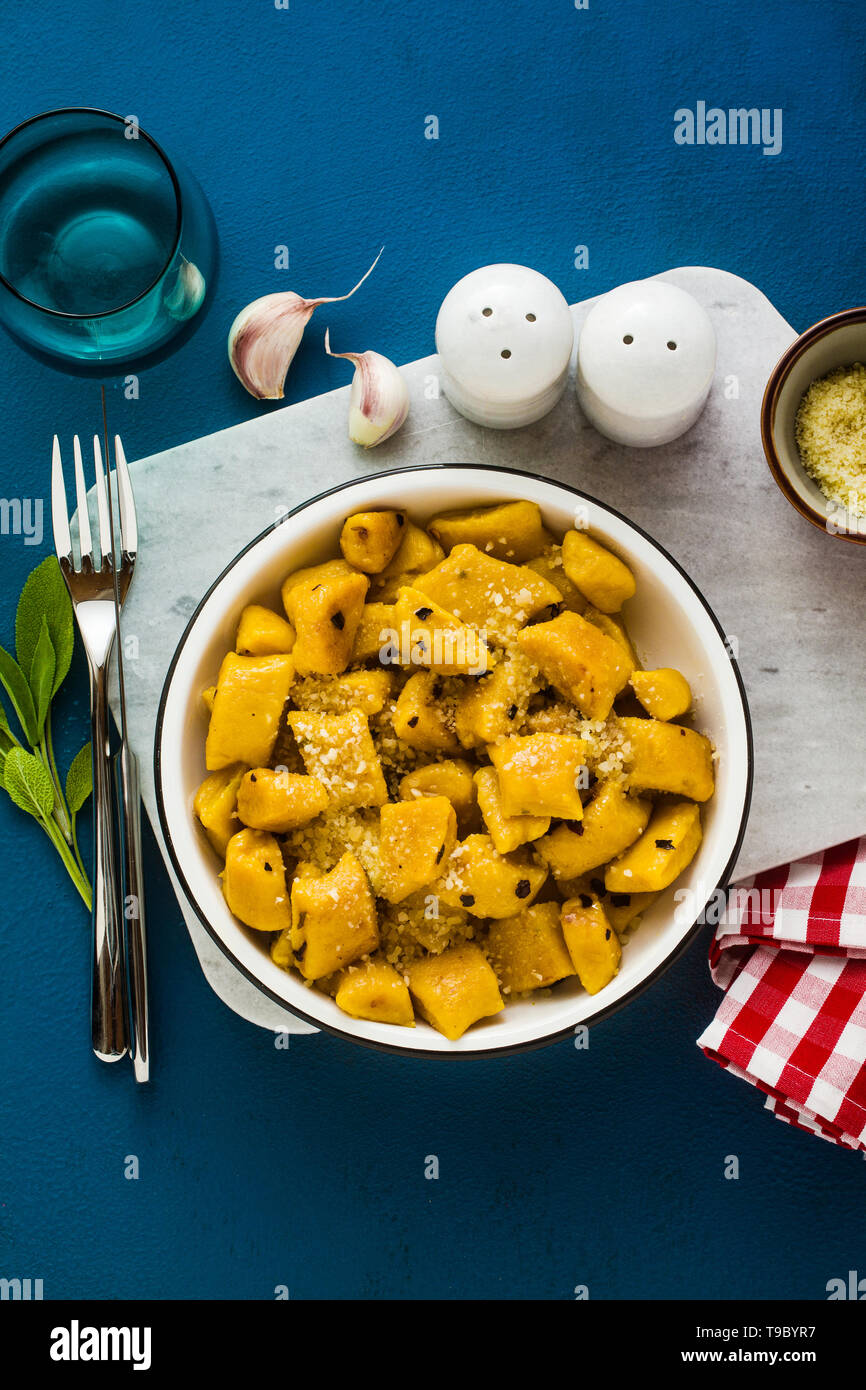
(790, 954)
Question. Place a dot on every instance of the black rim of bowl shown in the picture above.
(507, 1049)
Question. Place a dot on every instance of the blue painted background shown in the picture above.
(305, 1168)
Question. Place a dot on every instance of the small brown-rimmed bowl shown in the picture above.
(837, 341)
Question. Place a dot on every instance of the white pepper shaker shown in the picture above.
(504, 334)
(645, 362)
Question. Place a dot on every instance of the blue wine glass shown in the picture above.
(107, 248)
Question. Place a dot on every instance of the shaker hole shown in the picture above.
(628, 338)
(672, 346)
(487, 313)
(506, 352)
(530, 318)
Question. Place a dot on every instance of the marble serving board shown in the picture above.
(790, 597)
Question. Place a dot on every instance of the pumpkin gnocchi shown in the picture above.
(427, 780)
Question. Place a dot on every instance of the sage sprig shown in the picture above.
(44, 639)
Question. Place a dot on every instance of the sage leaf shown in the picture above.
(18, 690)
(2, 765)
(79, 779)
(42, 676)
(45, 595)
(6, 739)
(28, 782)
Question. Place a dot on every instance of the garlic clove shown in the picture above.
(379, 398)
(266, 335)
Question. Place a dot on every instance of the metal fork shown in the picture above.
(91, 589)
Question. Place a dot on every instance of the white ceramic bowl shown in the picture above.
(671, 625)
(837, 341)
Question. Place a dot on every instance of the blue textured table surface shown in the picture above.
(306, 1168)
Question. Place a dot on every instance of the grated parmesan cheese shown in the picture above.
(831, 436)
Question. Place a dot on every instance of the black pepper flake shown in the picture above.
(664, 844)
(413, 721)
(585, 900)
(252, 777)
(523, 889)
(315, 587)
(423, 613)
(620, 899)
(512, 711)
(683, 732)
(552, 611)
(467, 899)
(597, 886)
(440, 854)
(607, 935)
(268, 868)
(338, 620)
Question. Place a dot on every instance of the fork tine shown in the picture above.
(106, 539)
(85, 539)
(59, 513)
(128, 525)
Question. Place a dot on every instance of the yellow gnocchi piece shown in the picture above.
(507, 832)
(669, 843)
(375, 991)
(599, 574)
(549, 565)
(455, 989)
(324, 604)
(250, 695)
(369, 540)
(528, 951)
(667, 758)
(585, 665)
(262, 632)
(623, 909)
(490, 594)
(611, 822)
(540, 775)
(339, 751)
(431, 636)
(495, 704)
(613, 626)
(508, 531)
(254, 881)
(416, 839)
(215, 804)
(420, 720)
(417, 553)
(592, 942)
(664, 693)
(376, 634)
(334, 919)
(489, 884)
(365, 691)
(279, 801)
(452, 777)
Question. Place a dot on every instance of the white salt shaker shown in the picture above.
(504, 335)
(645, 362)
